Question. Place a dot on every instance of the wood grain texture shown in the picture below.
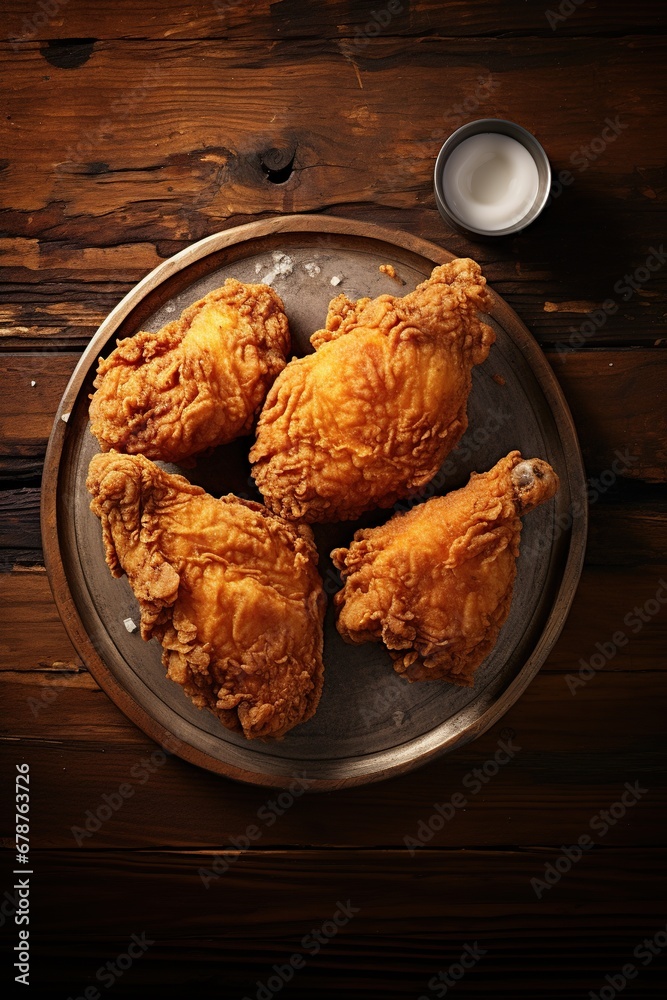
(546, 794)
(627, 526)
(127, 179)
(31, 636)
(593, 383)
(30, 629)
(620, 408)
(413, 917)
(247, 85)
(261, 20)
(352, 752)
(19, 519)
(604, 598)
(27, 410)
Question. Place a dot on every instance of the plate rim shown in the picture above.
(58, 580)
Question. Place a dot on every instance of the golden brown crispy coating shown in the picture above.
(370, 417)
(196, 383)
(231, 591)
(435, 584)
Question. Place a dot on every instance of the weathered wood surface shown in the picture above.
(129, 130)
(31, 636)
(630, 437)
(577, 751)
(263, 20)
(153, 146)
(627, 527)
(32, 385)
(411, 918)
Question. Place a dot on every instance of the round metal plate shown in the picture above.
(370, 723)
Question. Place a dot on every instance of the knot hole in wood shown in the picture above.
(278, 164)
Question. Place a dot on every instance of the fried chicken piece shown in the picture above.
(435, 584)
(231, 591)
(371, 416)
(196, 383)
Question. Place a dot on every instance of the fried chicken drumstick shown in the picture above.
(231, 591)
(435, 584)
(371, 415)
(196, 383)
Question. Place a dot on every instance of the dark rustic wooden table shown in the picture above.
(130, 130)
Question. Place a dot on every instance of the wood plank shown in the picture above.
(31, 632)
(27, 410)
(619, 404)
(139, 189)
(25, 470)
(628, 527)
(593, 383)
(119, 166)
(15, 559)
(611, 600)
(55, 314)
(261, 20)
(576, 753)
(86, 715)
(26, 325)
(32, 637)
(624, 530)
(411, 918)
(19, 519)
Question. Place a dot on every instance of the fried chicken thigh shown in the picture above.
(371, 415)
(435, 584)
(196, 383)
(231, 591)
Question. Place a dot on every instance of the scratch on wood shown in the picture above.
(572, 306)
(348, 58)
(56, 676)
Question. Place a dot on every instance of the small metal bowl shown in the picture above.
(504, 128)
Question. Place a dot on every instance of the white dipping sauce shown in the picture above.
(490, 181)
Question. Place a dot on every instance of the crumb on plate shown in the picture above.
(389, 270)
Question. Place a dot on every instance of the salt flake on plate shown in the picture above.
(282, 265)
